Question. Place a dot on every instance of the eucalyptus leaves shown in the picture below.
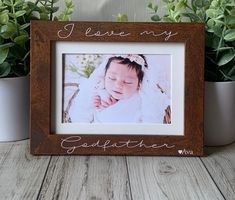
(15, 16)
(219, 16)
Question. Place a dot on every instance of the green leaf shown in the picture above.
(33, 7)
(211, 13)
(155, 18)
(24, 26)
(7, 45)
(21, 40)
(150, 5)
(224, 48)
(199, 3)
(7, 2)
(13, 16)
(54, 9)
(232, 12)
(20, 13)
(3, 54)
(4, 17)
(155, 8)
(179, 5)
(230, 35)
(218, 30)
(230, 20)
(226, 57)
(167, 19)
(69, 11)
(219, 22)
(119, 18)
(3, 7)
(69, 3)
(44, 16)
(206, 3)
(215, 4)
(6, 31)
(5, 69)
(176, 14)
(18, 3)
(220, 17)
(169, 6)
(211, 24)
(67, 18)
(192, 17)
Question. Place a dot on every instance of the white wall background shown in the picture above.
(103, 10)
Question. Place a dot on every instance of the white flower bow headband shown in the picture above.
(134, 58)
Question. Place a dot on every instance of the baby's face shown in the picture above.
(120, 81)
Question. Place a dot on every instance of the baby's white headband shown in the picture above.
(134, 58)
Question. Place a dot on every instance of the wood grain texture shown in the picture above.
(154, 178)
(220, 163)
(5, 148)
(21, 174)
(93, 178)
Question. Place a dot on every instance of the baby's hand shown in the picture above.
(97, 101)
(108, 102)
(100, 103)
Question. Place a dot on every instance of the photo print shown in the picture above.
(117, 88)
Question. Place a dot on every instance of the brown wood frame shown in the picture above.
(43, 141)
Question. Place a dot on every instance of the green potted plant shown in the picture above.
(219, 19)
(15, 16)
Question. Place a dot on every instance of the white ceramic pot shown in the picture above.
(14, 108)
(219, 123)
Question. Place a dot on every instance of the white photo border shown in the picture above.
(177, 52)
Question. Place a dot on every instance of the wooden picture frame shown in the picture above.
(181, 132)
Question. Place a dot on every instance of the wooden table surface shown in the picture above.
(23, 176)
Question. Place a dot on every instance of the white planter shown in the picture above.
(14, 108)
(219, 123)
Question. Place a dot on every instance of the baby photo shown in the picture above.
(117, 88)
